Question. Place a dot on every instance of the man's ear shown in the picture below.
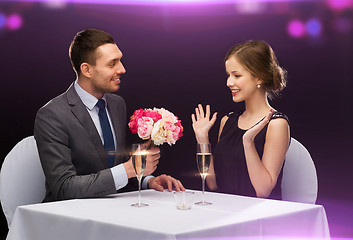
(86, 69)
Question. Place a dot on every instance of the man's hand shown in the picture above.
(165, 182)
(152, 160)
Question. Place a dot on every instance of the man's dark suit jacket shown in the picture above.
(71, 151)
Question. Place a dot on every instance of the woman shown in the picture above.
(252, 144)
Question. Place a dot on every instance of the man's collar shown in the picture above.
(88, 100)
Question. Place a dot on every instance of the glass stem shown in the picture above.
(203, 187)
(139, 202)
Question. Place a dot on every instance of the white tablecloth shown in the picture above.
(229, 217)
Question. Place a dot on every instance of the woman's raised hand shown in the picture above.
(202, 123)
(250, 134)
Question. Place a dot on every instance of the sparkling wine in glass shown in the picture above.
(139, 156)
(203, 158)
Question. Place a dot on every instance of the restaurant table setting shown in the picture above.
(154, 215)
(113, 217)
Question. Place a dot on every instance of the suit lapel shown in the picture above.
(81, 113)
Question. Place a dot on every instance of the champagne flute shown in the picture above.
(139, 156)
(203, 158)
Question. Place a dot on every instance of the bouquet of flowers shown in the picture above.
(157, 124)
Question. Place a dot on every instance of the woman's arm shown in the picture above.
(201, 123)
(211, 177)
(263, 174)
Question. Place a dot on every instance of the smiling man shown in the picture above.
(80, 134)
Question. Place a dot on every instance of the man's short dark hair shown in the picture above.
(84, 45)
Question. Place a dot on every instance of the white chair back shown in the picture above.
(299, 181)
(22, 180)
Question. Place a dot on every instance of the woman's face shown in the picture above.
(241, 82)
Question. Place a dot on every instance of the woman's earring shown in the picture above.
(258, 85)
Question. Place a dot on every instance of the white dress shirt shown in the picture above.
(118, 171)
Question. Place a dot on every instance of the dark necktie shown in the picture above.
(107, 132)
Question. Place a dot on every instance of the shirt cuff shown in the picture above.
(119, 176)
(145, 181)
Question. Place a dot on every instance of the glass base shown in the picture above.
(203, 203)
(139, 205)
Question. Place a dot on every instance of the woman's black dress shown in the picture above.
(229, 159)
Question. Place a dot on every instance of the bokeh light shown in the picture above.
(14, 22)
(2, 20)
(143, 2)
(250, 7)
(313, 27)
(296, 28)
(340, 4)
(55, 4)
(163, 2)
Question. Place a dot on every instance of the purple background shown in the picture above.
(174, 59)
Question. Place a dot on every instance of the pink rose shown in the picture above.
(134, 119)
(166, 115)
(155, 115)
(145, 126)
(172, 132)
(178, 123)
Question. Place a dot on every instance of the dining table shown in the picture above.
(113, 218)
